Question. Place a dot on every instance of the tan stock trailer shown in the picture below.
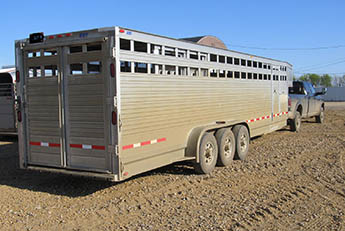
(115, 102)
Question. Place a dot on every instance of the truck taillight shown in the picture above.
(112, 70)
(289, 102)
(113, 118)
(19, 116)
(17, 76)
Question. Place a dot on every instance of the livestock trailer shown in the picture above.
(7, 102)
(115, 102)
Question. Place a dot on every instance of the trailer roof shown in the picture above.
(180, 40)
(243, 53)
(8, 70)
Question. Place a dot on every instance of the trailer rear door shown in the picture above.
(65, 106)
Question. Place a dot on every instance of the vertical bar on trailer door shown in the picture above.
(118, 95)
(21, 126)
(61, 90)
(272, 106)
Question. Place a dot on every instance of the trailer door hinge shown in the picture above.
(115, 101)
(117, 150)
(114, 52)
(120, 123)
(113, 149)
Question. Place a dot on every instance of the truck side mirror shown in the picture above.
(324, 90)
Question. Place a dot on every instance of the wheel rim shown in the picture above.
(227, 147)
(243, 142)
(209, 153)
(298, 122)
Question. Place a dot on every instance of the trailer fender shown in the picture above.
(195, 135)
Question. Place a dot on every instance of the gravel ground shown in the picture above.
(290, 181)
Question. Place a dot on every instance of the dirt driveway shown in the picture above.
(291, 181)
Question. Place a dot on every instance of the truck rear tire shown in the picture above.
(242, 141)
(319, 118)
(208, 153)
(226, 146)
(295, 123)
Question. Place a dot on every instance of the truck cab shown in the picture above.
(304, 102)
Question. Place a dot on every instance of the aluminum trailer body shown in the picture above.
(7, 99)
(115, 102)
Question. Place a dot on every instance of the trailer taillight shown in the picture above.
(19, 116)
(112, 70)
(113, 118)
(17, 76)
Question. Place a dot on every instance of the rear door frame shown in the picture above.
(109, 90)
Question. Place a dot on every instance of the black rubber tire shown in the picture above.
(295, 123)
(207, 157)
(320, 118)
(242, 141)
(226, 146)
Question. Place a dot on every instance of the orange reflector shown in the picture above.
(113, 118)
(19, 116)
(112, 70)
(17, 76)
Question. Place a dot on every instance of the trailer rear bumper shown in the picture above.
(102, 176)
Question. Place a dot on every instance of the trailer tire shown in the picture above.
(295, 123)
(208, 152)
(242, 141)
(226, 146)
(319, 118)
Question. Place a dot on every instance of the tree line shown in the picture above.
(323, 80)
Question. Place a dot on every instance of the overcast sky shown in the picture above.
(308, 34)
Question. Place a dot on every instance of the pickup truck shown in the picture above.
(304, 102)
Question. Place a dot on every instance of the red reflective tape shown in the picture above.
(263, 117)
(76, 145)
(35, 143)
(60, 36)
(54, 145)
(161, 140)
(145, 143)
(267, 117)
(98, 147)
(68, 35)
(252, 120)
(121, 30)
(51, 36)
(128, 147)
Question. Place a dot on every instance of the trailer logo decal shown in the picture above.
(87, 146)
(137, 145)
(266, 117)
(44, 144)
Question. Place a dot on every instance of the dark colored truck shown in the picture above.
(304, 102)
